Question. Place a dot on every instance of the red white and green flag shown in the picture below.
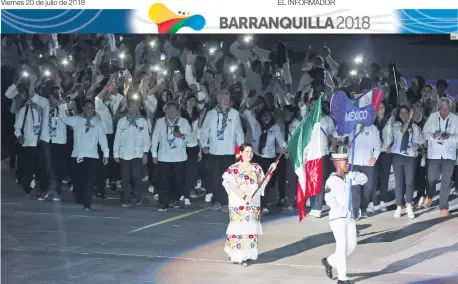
(304, 149)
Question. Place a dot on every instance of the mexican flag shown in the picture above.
(304, 150)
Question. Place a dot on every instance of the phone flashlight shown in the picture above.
(70, 57)
(212, 50)
(152, 44)
(165, 72)
(358, 59)
(177, 72)
(64, 62)
(353, 72)
(155, 68)
(122, 55)
(25, 74)
(247, 38)
(233, 68)
(41, 55)
(47, 73)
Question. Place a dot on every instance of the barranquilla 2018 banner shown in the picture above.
(231, 17)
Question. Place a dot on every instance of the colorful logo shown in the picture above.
(169, 23)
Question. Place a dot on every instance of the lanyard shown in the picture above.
(446, 124)
(322, 130)
(359, 132)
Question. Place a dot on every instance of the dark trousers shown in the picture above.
(131, 176)
(29, 161)
(436, 168)
(15, 160)
(265, 164)
(291, 180)
(110, 171)
(219, 164)
(421, 178)
(85, 176)
(382, 171)
(153, 172)
(280, 174)
(192, 169)
(404, 175)
(316, 201)
(456, 178)
(362, 194)
(204, 173)
(52, 159)
(171, 181)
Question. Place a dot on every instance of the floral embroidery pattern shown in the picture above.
(244, 213)
(241, 242)
(248, 177)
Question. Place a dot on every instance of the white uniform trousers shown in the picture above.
(344, 230)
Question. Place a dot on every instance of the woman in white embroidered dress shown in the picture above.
(241, 180)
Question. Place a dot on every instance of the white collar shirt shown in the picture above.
(437, 148)
(367, 145)
(132, 139)
(274, 136)
(327, 128)
(165, 146)
(87, 134)
(107, 111)
(218, 141)
(414, 139)
(30, 128)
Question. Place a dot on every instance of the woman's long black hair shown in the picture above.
(184, 113)
(281, 56)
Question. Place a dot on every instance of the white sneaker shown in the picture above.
(421, 201)
(187, 202)
(397, 213)
(315, 213)
(118, 184)
(193, 194)
(382, 206)
(409, 211)
(146, 178)
(199, 184)
(371, 208)
(42, 198)
(32, 184)
(182, 198)
(151, 189)
(208, 197)
(307, 203)
(70, 188)
(265, 211)
(56, 198)
(156, 197)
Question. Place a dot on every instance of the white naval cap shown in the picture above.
(339, 156)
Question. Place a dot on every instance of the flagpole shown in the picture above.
(353, 143)
(266, 176)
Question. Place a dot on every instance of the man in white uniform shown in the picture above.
(341, 218)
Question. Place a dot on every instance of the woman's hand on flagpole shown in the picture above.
(273, 167)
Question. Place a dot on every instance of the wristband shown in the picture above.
(244, 197)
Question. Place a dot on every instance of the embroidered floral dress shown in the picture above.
(244, 226)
